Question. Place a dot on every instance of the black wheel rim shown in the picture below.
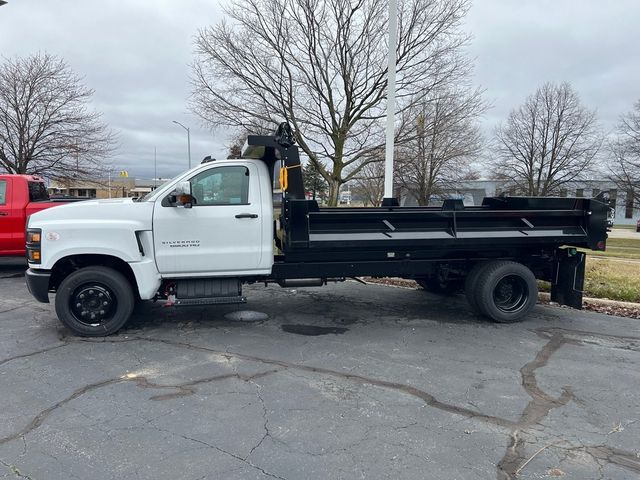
(93, 304)
(510, 294)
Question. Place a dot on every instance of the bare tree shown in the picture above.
(442, 140)
(369, 184)
(625, 152)
(548, 142)
(322, 65)
(46, 127)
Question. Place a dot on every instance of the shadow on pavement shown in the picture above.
(11, 267)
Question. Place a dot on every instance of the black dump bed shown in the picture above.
(512, 223)
(502, 227)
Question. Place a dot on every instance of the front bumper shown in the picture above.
(38, 284)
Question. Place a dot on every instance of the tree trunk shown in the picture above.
(336, 174)
(334, 192)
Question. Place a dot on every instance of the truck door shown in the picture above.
(11, 222)
(222, 232)
(5, 212)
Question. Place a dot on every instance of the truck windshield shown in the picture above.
(38, 192)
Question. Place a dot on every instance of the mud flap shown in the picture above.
(568, 278)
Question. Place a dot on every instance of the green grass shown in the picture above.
(612, 279)
(608, 275)
(627, 248)
(623, 243)
(605, 278)
(615, 253)
(624, 227)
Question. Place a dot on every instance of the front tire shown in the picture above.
(505, 291)
(94, 301)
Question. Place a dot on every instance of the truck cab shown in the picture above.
(214, 220)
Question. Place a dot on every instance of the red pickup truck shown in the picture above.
(20, 196)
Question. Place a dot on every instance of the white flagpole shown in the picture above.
(391, 100)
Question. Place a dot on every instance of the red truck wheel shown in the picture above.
(94, 301)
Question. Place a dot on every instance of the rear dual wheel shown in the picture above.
(504, 291)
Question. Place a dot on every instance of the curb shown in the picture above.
(545, 296)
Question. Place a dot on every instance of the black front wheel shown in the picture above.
(505, 291)
(94, 301)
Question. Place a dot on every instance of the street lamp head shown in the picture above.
(178, 123)
(2, 2)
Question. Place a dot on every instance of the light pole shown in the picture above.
(155, 167)
(188, 140)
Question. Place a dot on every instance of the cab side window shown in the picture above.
(3, 192)
(38, 192)
(221, 186)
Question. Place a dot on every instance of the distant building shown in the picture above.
(117, 187)
(473, 191)
(345, 197)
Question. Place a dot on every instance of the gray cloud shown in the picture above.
(136, 56)
(519, 45)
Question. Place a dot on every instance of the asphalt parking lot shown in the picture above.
(344, 382)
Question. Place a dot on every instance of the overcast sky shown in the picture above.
(136, 56)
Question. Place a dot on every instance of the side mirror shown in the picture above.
(184, 200)
(183, 188)
(181, 195)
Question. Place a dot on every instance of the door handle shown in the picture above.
(4, 214)
(247, 215)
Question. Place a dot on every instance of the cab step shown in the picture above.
(186, 302)
(208, 291)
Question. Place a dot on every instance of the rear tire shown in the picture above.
(505, 291)
(94, 301)
(471, 286)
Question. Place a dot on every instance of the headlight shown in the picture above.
(34, 235)
(34, 238)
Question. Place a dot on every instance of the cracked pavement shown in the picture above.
(386, 383)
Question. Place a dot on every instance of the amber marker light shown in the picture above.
(34, 237)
